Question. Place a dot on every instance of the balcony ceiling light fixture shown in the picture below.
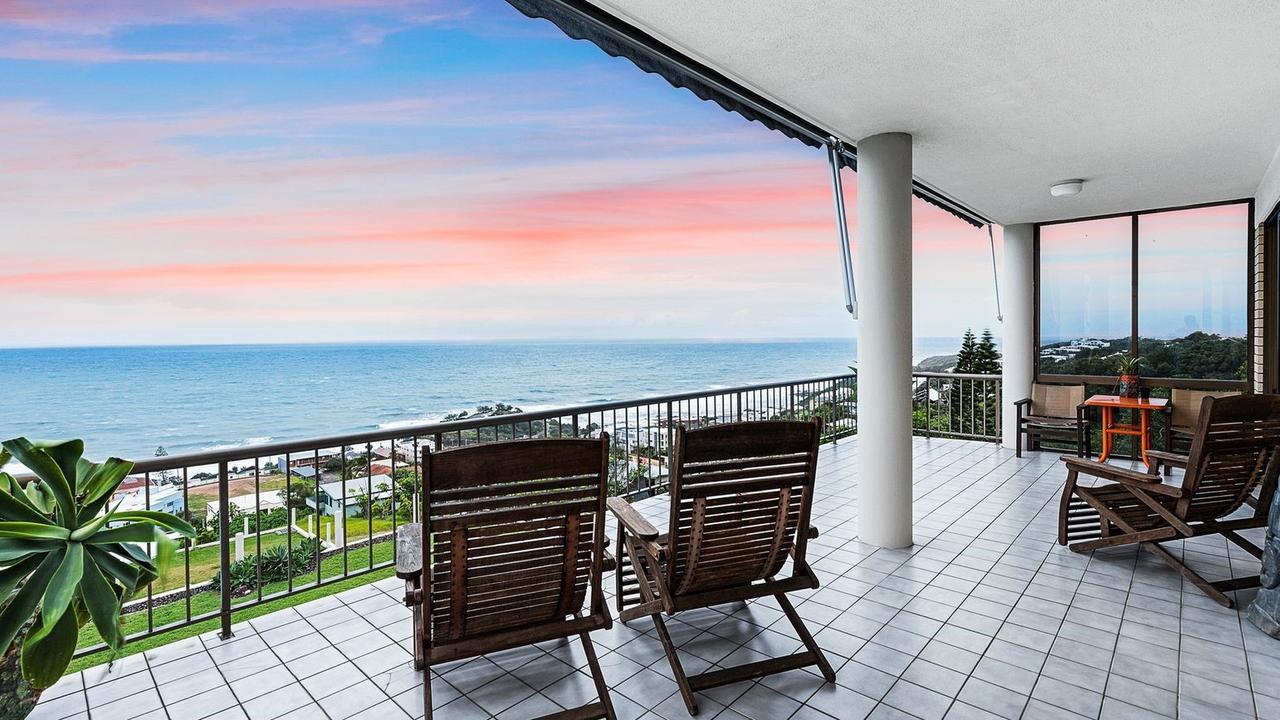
(1066, 187)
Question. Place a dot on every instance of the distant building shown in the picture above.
(162, 498)
(330, 499)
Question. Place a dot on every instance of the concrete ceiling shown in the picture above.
(1153, 103)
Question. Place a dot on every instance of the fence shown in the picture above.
(956, 405)
(289, 517)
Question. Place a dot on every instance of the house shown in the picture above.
(161, 498)
(330, 497)
(248, 504)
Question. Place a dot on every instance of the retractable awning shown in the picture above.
(583, 21)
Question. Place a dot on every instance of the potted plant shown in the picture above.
(1129, 380)
(66, 560)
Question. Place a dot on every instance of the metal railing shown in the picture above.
(289, 517)
(956, 405)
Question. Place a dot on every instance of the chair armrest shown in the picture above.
(1150, 483)
(1167, 458)
(633, 521)
(1022, 402)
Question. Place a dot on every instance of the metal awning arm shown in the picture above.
(835, 148)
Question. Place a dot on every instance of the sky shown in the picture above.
(354, 170)
(1192, 275)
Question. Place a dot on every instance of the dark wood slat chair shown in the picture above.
(1054, 412)
(514, 546)
(1233, 454)
(741, 496)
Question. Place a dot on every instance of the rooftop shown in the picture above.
(984, 617)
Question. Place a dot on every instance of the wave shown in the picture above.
(247, 442)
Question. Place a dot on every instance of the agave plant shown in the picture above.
(65, 558)
(1128, 364)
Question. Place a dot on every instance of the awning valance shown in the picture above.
(583, 21)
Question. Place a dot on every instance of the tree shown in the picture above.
(968, 351)
(299, 495)
(986, 358)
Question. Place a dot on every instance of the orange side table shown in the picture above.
(1109, 404)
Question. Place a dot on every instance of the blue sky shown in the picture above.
(313, 171)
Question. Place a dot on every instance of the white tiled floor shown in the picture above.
(986, 616)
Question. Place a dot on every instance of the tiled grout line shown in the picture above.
(1030, 486)
(974, 538)
(983, 513)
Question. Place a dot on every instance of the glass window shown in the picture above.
(1192, 292)
(1085, 295)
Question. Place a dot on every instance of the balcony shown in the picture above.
(986, 616)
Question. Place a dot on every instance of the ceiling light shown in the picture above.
(1066, 187)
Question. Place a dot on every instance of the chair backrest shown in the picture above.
(1056, 401)
(1233, 452)
(741, 496)
(1186, 405)
(514, 534)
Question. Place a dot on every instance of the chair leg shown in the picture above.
(806, 637)
(1207, 587)
(686, 691)
(426, 693)
(1017, 444)
(598, 676)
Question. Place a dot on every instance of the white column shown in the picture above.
(883, 269)
(1017, 285)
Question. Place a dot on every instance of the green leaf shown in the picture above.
(110, 564)
(102, 603)
(162, 519)
(40, 496)
(87, 529)
(139, 555)
(5, 457)
(143, 532)
(47, 651)
(103, 478)
(12, 575)
(44, 466)
(13, 509)
(20, 609)
(66, 453)
(92, 508)
(31, 531)
(62, 588)
(15, 548)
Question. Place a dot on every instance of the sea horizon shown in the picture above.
(131, 400)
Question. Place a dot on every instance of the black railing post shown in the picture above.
(224, 548)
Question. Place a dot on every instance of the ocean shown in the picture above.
(128, 401)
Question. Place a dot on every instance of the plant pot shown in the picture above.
(1129, 386)
(19, 698)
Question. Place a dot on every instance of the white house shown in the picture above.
(331, 494)
(162, 498)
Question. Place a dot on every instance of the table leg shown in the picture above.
(1145, 424)
(1106, 434)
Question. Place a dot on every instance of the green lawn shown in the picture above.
(331, 568)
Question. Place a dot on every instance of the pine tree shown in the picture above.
(968, 352)
(986, 359)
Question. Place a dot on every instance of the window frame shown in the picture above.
(1134, 215)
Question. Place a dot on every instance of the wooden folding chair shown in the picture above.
(1234, 452)
(515, 540)
(741, 496)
